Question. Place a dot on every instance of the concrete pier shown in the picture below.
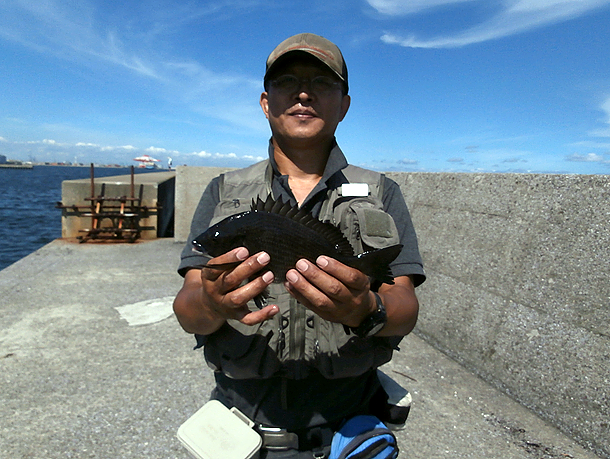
(93, 364)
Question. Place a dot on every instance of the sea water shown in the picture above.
(28, 216)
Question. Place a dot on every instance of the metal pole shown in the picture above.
(92, 183)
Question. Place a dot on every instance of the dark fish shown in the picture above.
(288, 234)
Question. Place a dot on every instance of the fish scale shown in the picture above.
(288, 234)
(286, 242)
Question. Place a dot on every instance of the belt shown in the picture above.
(315, 438)
(276, 439)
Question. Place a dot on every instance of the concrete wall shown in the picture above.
(158, 191)
(190, 184)
(517, 287)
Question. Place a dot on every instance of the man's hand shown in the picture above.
(212, 295)
(332, 290)
(342, 294)
(221, 290)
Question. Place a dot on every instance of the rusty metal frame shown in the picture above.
(123, 212)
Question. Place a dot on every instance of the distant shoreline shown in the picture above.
(109, 166)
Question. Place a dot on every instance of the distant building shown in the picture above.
(2, 159)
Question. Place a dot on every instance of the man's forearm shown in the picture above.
(401, 305)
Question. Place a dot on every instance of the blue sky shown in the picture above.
(436, 85)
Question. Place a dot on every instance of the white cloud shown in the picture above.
(253, 158)
(514, 16)
(43, 141)
(124, 147)
(82, 33)
(85, 152)
(205, 154)
(606, 108)
(605, 131)
(588, 144)
(588, 158)
(220, 156)
(157, 150)
(401, 7)
(48, 150)
(70, 31)
(112, 49)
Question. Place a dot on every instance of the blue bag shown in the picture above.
(364, 437)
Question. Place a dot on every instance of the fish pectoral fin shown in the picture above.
(222, 266)
(376, 263)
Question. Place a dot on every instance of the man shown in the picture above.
(307, 361)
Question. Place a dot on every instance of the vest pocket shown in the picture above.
(340, 355)
(377, 228)
(365, 224)
(243, 352)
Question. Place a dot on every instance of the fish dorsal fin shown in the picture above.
(277, 207)
(327, 231)
(258, 204)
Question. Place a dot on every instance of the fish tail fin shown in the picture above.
(376, 263)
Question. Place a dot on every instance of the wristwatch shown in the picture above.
(373, 322)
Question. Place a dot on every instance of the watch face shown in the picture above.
(376, 328)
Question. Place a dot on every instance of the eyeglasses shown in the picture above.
(291, 83)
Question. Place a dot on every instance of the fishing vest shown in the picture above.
(296, 340)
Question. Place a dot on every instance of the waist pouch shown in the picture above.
(364, 437)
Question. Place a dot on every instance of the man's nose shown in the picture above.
(304, 89)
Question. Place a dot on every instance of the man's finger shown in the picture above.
(257, 317)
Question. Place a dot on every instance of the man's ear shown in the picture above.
(265, 104)
(345, 103)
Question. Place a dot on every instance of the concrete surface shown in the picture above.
(80, 380)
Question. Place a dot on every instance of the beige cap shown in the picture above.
(321, 48)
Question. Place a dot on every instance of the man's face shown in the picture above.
(308, 115)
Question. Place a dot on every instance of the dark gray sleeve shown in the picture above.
(201, 220)
(409, 261)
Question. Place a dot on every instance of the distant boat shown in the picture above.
(147, 162)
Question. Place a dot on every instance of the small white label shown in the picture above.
(355, 189)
